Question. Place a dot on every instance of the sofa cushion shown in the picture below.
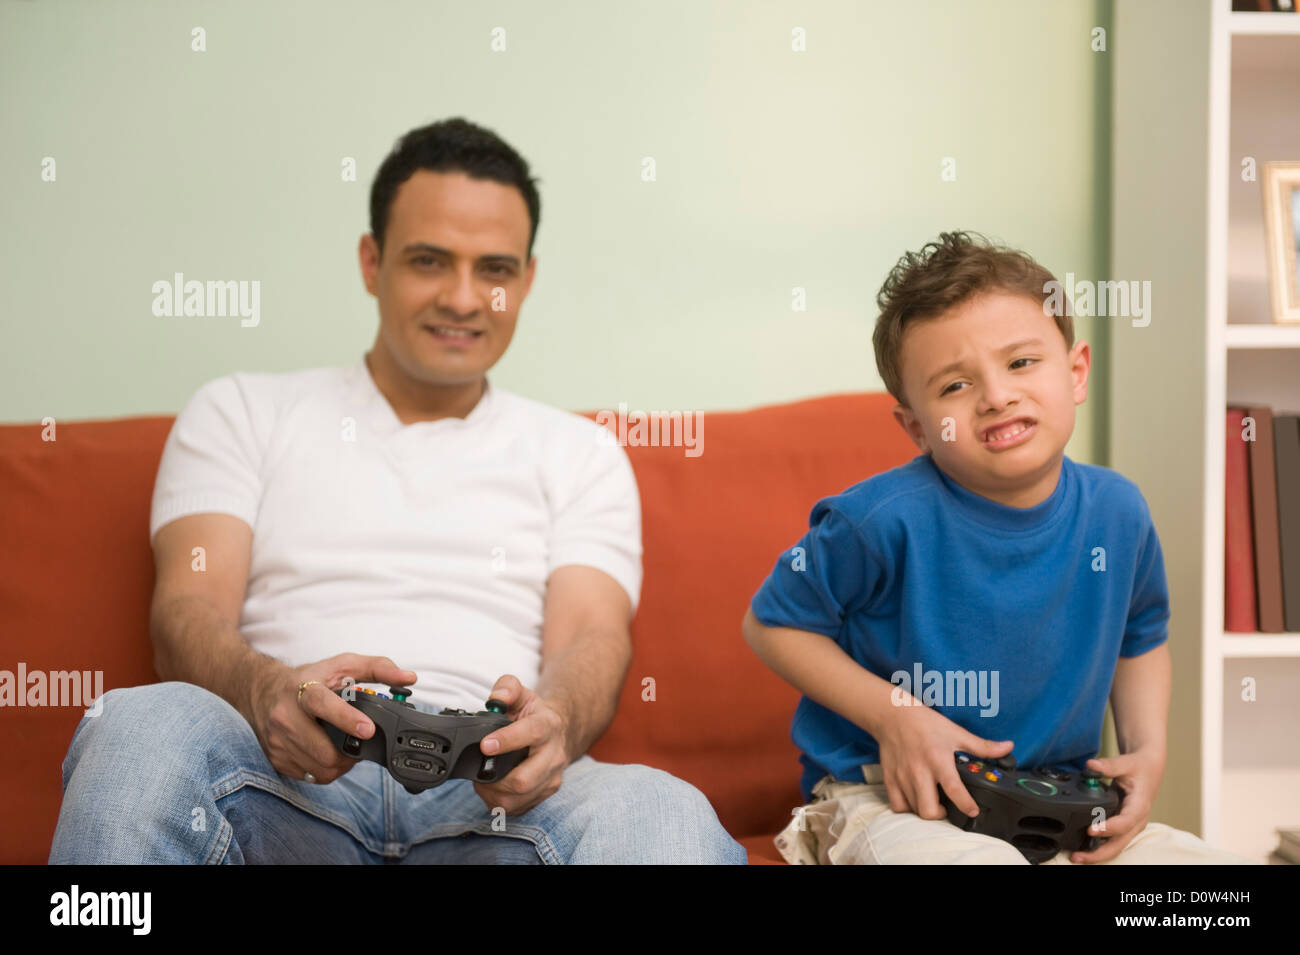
(77, 574)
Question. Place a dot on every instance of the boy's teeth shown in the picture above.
(1008, 432)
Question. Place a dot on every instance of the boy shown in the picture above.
(990, 554)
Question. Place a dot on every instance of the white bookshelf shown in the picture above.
(1255, 77)
(1226, 88)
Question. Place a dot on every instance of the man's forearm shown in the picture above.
(583, 684)
(194, 643)
(1140, 700)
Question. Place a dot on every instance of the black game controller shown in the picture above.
(423, 750)
(1039, 811)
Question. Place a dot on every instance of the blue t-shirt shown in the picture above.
(1009, 621)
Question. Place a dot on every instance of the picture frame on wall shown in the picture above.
(1281, 183)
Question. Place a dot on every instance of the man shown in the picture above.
(312, 528)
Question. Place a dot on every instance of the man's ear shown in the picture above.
(368, 257)
(909, 423)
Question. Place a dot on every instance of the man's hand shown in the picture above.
(286, 726)
(1138, 774)
(539, 725)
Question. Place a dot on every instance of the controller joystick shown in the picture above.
(401, 694)
(1041, 812)
(422, 750)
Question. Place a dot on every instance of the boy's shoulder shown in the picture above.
(895, 491)
(1111, 490)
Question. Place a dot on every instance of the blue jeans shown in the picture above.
(171, 773)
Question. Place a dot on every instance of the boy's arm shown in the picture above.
(916, 743)
(818, 667)
(1140, 699)
(1142, 685)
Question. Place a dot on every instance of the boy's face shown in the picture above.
(982, 371)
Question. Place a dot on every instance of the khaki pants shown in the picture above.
(852, 824)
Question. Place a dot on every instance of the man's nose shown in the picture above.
(457, 296)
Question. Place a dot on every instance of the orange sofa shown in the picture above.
(76, 574)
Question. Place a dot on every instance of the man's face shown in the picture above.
(454, 272)
(979, 373)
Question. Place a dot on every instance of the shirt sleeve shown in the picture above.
(212, 458)
(1148, 612)
(596, 520)
(821, 580)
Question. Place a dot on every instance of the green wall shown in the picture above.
(776, 169)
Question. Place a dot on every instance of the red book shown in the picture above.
(1239, 614)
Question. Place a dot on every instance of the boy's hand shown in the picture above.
(1138, 774)
(916, 756)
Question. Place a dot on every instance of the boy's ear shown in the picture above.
(1080, 358)
(909, 423)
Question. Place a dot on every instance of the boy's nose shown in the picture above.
(997, 394)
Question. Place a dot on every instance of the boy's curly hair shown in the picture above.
(947, 272)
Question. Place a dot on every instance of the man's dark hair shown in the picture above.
(451, 145)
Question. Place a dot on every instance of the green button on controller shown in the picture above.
(1039, 787)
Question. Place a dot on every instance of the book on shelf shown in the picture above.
(1261, 509)
(1288, 846)
(1286, 452)
(1239, 608)
(1264, 6)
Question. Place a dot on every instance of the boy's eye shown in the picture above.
(949, 389)
(1019, 360)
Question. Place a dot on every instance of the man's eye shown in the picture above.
(498, 270)
(423, 260)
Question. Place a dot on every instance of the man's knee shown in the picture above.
(625, 788)
(661, 807)
(162, 708)
(154, 719)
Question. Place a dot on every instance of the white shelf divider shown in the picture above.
(1261, 645)
(1264, 24)
(1263, 336)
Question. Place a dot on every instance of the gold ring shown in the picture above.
(303, 686)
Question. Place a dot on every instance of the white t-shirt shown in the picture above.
(429, 543)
